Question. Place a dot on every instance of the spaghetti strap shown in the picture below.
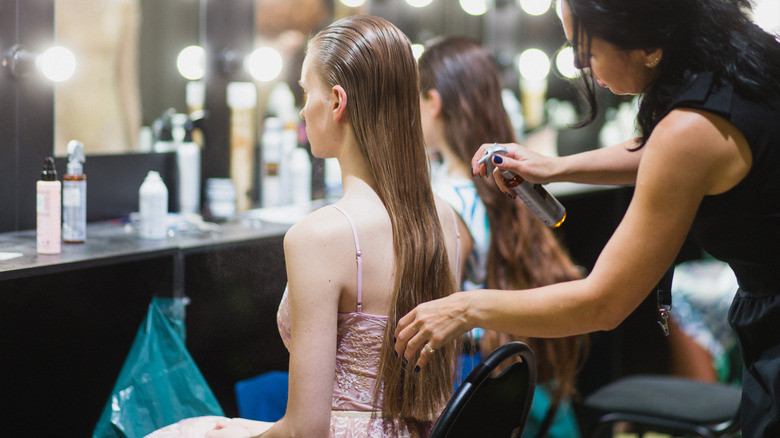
(358, 257)
(457, 245)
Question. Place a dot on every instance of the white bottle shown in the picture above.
(48, 210)
(300, 177)
(153, 207)
(187, 163)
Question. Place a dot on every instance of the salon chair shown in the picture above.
(488, 406)
(666, 404)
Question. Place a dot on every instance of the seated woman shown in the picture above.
(355, 267)
(461, 109)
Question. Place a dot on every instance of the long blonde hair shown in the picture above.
(372, 60)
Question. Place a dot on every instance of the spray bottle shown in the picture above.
(74, 196)
(48, 207)
(535, 197)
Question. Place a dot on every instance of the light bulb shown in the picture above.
(535, 7)
(534, 64)
(353, 3)
(564, 62)
(264, 64)
(418, 3)
(474, 7)
(57, 63)
(191, 62)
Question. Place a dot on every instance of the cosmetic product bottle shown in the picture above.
(242, 101)
(300, 177)
(74, 196)
(48, 210)
(153, 207)
(272, 161)
(187, 164)
(541, 203)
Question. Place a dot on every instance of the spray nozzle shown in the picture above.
(76, 157)
(49, 172)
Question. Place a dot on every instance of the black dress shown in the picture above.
(742, 227)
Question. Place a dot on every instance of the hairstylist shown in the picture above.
(707, 163)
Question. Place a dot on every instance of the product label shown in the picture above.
(71, 196)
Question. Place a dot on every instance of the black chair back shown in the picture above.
(495, 407)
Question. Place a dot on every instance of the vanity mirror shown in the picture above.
(126, 74)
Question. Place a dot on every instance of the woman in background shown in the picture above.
(355, 267)
(461, 109)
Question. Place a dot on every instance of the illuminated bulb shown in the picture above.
(191, 62)
(417, 50)
(559, 9)
(264, 64)
(353, 3)
(57, 64)
(474, 7)
(564, 62)
(534, 64)
(418, 3)
(535, 7)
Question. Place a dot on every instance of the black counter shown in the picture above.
(67, 321)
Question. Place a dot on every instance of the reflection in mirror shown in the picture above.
(126, 73)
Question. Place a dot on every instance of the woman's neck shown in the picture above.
(455, 167)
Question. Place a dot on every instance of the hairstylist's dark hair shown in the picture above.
(373, 61)
(527, 254)
(695, 35)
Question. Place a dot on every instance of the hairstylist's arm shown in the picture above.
(617, 164)
(687, 158)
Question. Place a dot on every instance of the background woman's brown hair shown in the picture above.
(523, 252)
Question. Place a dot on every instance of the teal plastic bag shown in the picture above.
(159, 383)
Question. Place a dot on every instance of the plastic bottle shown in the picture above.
(48, 210)
(153, 207)
(242, 101)
(272, 157)
(300, 177)
(74, 196)
(188, 164)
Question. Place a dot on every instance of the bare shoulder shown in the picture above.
(446, 214)
(318, 231)
(704, 142)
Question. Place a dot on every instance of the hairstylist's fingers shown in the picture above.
(476, 167)
(499, 179)
(404, 331)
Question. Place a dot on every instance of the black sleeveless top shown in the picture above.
(742, 226)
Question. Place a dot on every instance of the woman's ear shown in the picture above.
(432, 99)
(339, 104)
(653, 57)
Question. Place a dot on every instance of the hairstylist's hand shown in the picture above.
(529, 165)
(434, 323)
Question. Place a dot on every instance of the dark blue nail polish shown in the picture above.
(472, 172)
(395, 353)
(417, 369)
(509, 195)
(404, 361)
(497, 159)
(394, 341)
